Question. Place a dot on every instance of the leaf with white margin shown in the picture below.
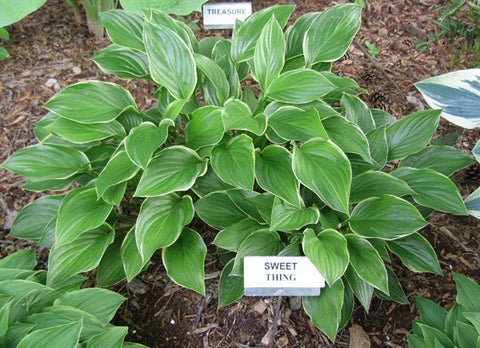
(174, 169)
(144, 139)
(160, 222)
(234, 162)
(457, 93)
(322, 166)
(91, 102)
(386, 217)
(184, 261)
(274, 173)
(328, 252)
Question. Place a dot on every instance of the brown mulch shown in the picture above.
(50, 50)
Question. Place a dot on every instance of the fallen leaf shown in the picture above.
(358, 337)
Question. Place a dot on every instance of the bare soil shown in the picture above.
(50, 50)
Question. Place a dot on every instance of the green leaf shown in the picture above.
(110, 269)
(377, 184)
(269, 54)
(261, 243)
(362, 290)
(467, 292)
(216, 76)
(411, 134)
(205, 128)
(230, 288)
(80, 255)
(432, 189)
(62, 336)
(234, 162)
(178, 7)
(273, 170)
(366, 261)
(454, 316)
(473, 318)
(231, 238)
(325, 310)
(174, 169)
(118, 169)
(131, 257)
(124, 28)
(160, 222)
(101, 303)
(387, 217)
(321, 166)
(466, 335)
(80, 211)
(126, 63)
(53, 184)
(14, 11)
(293, 123)
(348, 136)
(184, 261)
(244, 200)
(160, 18)
(286, 88)
(209, 183)
(347, 307)
(91, 102)
(328, 252)
(218, 210)
(144, 139)
(431, 313)
(395, 291)
(457, 93)
(295, 34)
(377, 139)
(80, 133)
(237, 115)
(434, 337)
(23, 260)
(287, 217)
(36, 221)
(244, 39)
(443, 159)
(112, 337)
(44, 162)
(171, 64)
(4, 318)
(57, 315)
(416, 253)
(415, 341)
(331, 33)
(4, 53)
(358, 112)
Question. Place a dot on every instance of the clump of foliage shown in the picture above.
(253, 135)
(33, 314)
(458, 327)
(459, 21)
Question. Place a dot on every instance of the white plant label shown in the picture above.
(281, 276)
(223, 15)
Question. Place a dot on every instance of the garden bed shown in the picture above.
(50, 50)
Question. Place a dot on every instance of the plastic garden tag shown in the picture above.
(224, 15)
(281, 276)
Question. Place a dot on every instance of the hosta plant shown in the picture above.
(33, 314)
(458, 327)
(253, 135)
